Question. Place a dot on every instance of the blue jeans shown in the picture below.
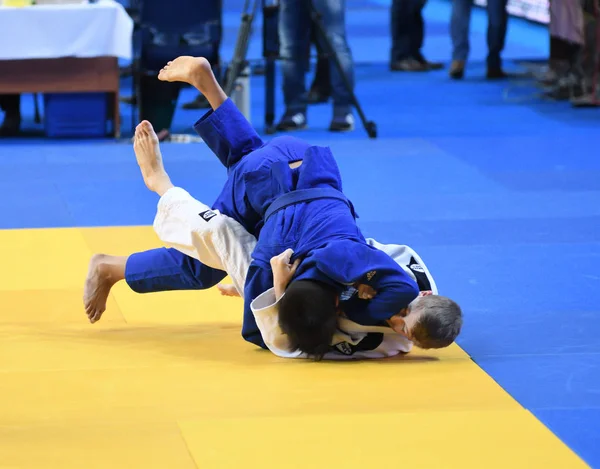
(408, 29)
(496, 33)
(295, 24)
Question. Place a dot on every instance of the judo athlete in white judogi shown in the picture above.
(287, 194)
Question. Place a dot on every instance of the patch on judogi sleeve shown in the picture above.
(419, 273)
(207, 215)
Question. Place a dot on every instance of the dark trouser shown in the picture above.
(295, 26)
(496, 33)
(408, 29)
(10, 103)
(322, 79)
(589, 56)
(157, 101)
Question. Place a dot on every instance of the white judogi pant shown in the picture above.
(220, 242)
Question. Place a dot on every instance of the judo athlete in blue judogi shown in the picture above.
(286, 193)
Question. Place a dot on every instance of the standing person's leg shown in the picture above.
(333, 16)
(496, 37)
(402, 29)
(320, 89)
(460, 22)
(558, 64)
(294, 36)
(418, 37)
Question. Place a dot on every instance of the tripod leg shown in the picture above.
(238, 62)
(369, 126)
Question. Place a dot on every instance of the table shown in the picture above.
(65, 48)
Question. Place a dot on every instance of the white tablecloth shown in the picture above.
(76, 30)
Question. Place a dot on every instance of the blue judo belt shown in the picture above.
(306, 195)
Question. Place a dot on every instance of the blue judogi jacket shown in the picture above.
(321, 230)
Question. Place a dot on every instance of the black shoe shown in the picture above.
(342, 123)
(585, 100)
(457, 70)
(567, 88)
(292, 121)
(496, 73)
(434, 65)
(430, 65)
(199, 103)
(408, 65)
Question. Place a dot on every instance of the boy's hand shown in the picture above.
(283, 271)
(365, 292)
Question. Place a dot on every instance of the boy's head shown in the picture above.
(430, 321)
(308, 315)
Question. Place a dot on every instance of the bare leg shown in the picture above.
(149, 158)
(103, 273)
(197, 72)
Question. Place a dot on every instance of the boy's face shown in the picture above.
(404, 321)
(399, 324)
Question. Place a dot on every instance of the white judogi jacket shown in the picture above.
(222, 243)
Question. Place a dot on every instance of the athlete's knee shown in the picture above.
(308, 315)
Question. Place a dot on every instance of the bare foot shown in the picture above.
(227, 290)
(101, 277)
(149, 159)
(197, 72)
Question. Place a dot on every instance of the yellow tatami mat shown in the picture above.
(166, 381)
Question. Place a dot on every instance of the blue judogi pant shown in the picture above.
(168, 269)
(231, 137)
(323, 232)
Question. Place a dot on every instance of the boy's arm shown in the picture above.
(395, 291)
(349, 262)
(266, 313)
